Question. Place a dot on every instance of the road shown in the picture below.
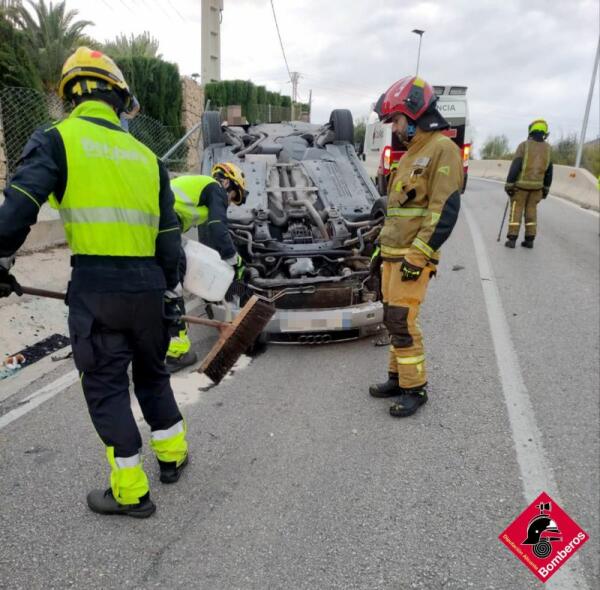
(299, 479)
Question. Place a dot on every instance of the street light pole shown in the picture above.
(420, 33)
(587, 109)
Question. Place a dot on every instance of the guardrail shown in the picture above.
(574, 184)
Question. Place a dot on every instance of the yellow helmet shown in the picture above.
(235, 176)
(538, 125)
(96, 70)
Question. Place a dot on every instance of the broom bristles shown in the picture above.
(236, 340)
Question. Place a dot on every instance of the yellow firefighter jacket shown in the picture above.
(423, 199)
(535, 170)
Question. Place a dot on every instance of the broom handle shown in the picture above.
(186, 318)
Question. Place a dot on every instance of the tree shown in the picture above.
(16, 66)
(495, 148)
(564, 150)
(143, 45)
(360, 129)
(51, 33)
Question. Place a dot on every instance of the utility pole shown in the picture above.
(587, 108)
(420, 33)
(295, 78)
(210, 32)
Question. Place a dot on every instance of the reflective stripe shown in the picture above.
(169, 432)
(421, 245)
(435, 217)
(531, 223)
(391, 251)
(22, 190)
(191, 208)
(406, 212)
(109, 215)
(128, 461)
(410, 360)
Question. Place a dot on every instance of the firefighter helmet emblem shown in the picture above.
(540, 531)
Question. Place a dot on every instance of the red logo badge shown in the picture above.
(544, 537)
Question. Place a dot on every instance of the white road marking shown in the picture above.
(536, 471)
(57, 386)
(39, 397)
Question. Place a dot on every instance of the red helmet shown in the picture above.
(410, 96)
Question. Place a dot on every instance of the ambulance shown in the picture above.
(382, 148)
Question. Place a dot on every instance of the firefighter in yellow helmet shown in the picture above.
(115, 201)
(422, 209)
(528, 182)
(203, 200)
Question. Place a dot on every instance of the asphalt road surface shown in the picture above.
(298, 479)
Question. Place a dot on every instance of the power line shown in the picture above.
(177, 11)
(281, 42)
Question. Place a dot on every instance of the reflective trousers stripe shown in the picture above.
(410, 360)
(169, 432)
(128, 461)
(391, 251)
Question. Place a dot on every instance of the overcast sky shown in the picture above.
(521, 59)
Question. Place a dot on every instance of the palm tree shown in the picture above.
(143, 45)
(52, 33)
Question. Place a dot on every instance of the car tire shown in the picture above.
(211, 128)
(379, 208)
(343, 125)
(382, 183)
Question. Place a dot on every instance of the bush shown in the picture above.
(157, 87)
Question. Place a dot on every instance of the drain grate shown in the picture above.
(43, 348)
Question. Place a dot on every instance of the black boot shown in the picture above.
(175, 364)
(169, 471)
(511, 241)
(103, 502)
(388, 389)
(409, 402)
(528, 242)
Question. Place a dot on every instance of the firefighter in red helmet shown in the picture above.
(423, 205)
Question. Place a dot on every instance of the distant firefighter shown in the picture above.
(528, 182)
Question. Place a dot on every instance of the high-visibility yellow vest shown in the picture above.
(187, 191)
(110, 206)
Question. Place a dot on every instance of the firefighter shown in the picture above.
(114, 199)
(528, 182)
(423, 204)
(203, 200)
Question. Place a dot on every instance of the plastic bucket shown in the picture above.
(207, 276)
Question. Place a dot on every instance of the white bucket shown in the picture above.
(207, 276)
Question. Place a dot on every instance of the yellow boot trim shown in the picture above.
(128, 480)
(170, 445)
(179, 345)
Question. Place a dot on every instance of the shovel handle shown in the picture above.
(190, 319)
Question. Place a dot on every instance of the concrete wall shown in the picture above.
(191, 111)
(574, 184)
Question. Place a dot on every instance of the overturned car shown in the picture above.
(307, 229)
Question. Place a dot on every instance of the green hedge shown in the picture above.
(246, 94)
(156, 85)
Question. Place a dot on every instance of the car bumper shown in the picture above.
(322, 325)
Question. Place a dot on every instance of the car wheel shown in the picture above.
(343, 125)
(379, 208)
(211, 128)
(382, 184)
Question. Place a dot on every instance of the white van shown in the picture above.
(382, 148)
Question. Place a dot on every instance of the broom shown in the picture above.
(235, 337)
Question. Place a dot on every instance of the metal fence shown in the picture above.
(22, 110)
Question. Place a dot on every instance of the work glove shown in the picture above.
(509, 190)
(173, 305)
(375, 263)
(545, 192)
(8, 283)
(409, 271)
(237, 262)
